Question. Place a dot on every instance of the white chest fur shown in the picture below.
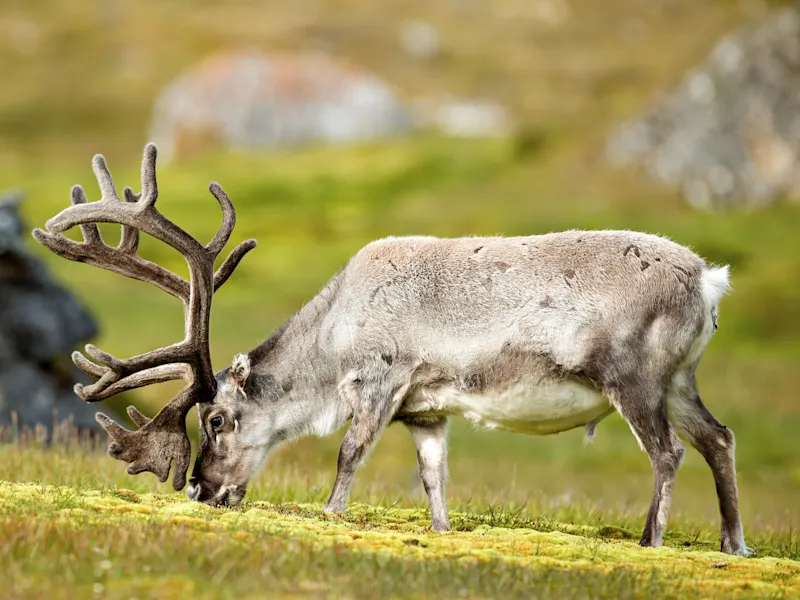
(542, 408)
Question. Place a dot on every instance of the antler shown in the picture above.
(161, 440)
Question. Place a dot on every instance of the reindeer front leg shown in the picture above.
(357, 442)
(374, 395)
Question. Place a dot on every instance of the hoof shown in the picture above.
(743, 551)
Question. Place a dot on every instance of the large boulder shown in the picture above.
(248, 99)
(729, 135)
(40, 324)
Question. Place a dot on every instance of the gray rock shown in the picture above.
(7, 353)
(40, 324)
(459, 117)
(10, 224)
(729, 134)
(249, 100)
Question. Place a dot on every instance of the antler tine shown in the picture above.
(91, 232)
(104, 179)
(149, 193)
(223, 234)
(129, 240)
(130, 195)
(231, 262)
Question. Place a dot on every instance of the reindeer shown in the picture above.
(537, 334)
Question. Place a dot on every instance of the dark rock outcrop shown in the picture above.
(40, 324)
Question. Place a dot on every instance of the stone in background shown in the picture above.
(249, 100)
(40, 324)
(729, 135)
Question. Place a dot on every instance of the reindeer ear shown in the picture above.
(240, 370)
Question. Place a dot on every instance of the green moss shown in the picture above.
(402, 534)
(124, 494)
(610, 532)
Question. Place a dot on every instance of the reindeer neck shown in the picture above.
(292, 368)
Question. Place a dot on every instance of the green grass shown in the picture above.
(93, 537)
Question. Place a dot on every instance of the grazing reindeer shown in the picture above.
(536, 334)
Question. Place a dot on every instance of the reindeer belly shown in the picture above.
(541, 408)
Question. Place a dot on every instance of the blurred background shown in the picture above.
(332, 123)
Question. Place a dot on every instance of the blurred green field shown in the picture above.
(312, 209)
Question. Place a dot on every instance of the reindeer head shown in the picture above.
(231, 445)
(252, 413)
(161, 441)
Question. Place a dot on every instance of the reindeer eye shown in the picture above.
(216, 422)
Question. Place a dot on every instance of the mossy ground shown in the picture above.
(118, 543)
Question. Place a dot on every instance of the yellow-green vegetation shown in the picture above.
(81, 80)
(73, 524)
(118, 543)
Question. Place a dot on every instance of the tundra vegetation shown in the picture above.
(531, 516)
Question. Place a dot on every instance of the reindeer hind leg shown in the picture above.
(645, 412)
(716, 443)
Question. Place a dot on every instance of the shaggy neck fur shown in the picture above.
(292, 369)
